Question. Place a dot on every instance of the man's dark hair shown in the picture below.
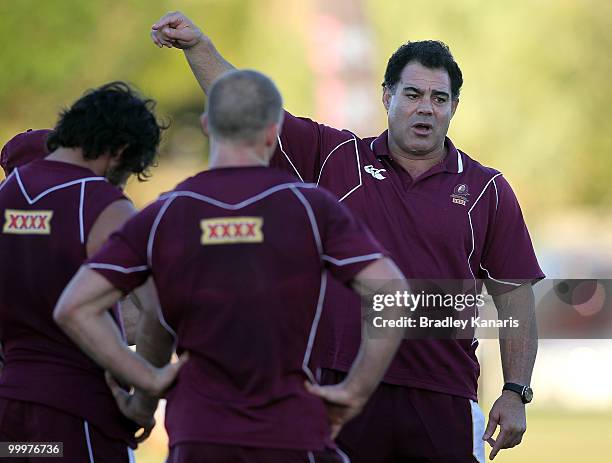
(107, 119)
(432, 54)
(241, 104)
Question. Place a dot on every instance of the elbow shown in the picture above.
(65, 314)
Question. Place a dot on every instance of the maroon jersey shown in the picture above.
(240, 258)
(459, 220)
(47, 211)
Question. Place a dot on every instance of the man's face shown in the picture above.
(420, 109)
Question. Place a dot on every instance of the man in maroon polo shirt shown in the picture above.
(442, 215)
(55, 211)
(241, 255)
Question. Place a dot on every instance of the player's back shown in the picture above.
(237, 259)
(47, 210)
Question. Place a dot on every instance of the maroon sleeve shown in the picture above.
(98, 196)
(508, 259)
(303, 146)
(123, 259)
(347, 245)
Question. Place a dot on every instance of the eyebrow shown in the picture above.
(410, 88)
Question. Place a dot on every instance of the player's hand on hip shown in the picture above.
(137, 407)
(176, 30)
(341, 404)
(165, 376)
(508, 412)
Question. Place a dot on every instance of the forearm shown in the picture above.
(378, 345)
(98, 336)
(153, 342)
(518, 346)
(206, 63)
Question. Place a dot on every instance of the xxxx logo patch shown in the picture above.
(27, 222)
(229, 230)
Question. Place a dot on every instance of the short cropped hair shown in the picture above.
(241, 104)
(432, 54)
(107, 119)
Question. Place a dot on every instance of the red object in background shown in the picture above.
(23, 148)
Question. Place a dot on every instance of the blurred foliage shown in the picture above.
(535, 102)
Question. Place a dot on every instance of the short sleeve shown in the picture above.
(348, 246)
(302, 145)
(123, 259)
(509, 259)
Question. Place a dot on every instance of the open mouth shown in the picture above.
(422, 128)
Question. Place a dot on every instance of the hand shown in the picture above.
(136, 407)
(342, 405)
(165, 376)
(509, 413)
(176, 30)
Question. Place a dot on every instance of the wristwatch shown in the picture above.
(525, 392)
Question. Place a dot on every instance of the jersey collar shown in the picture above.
(453, 163)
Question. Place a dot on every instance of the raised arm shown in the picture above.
(175, 30)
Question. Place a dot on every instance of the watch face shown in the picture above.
(528, 395)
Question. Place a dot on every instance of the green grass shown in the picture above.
(552, 437)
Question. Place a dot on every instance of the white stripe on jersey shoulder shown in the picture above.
(372, 145)
(459, 162)
(311, 458)
(153, 230)
(241, 204)
(499, 281)
(330, 153)
(311, 218)
(352, 260)
(280, 145)
(52, 189)
(117, 268)
(5, 181)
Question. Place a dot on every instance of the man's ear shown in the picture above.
(386, 97)
(454, 105)
(204, 124)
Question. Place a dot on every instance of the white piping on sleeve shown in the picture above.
(351, 260)
(118, 268)
(499, 281)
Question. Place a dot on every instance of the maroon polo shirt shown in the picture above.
(459, 220)
(47, 209)
(240, 258)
